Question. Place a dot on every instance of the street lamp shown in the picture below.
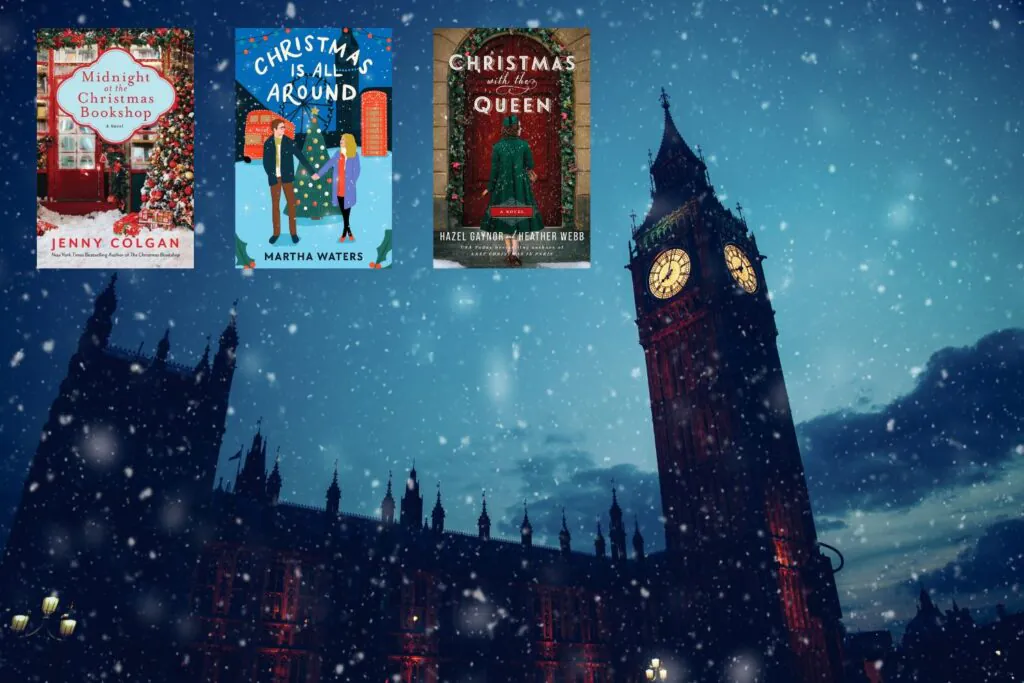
(655, 671)
(65, 626)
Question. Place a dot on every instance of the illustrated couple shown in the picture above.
(278, 154)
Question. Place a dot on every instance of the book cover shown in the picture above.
(115, 135)
(313, 148)
(511, 148)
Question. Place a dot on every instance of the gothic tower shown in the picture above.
(437, 514)
(412, 502)
(334, 496)
(734, 497)
(483, 523)
(387, 506)
(617, 530)
(252, 479)
(121, 476)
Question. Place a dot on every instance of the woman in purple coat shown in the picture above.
(345, 175)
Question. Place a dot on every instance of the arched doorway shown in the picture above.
(540, 129)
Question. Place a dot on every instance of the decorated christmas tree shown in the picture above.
(313, 197)
(169, 181)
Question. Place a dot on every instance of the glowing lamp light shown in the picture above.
(650, 674)
(663, 673)
(655, 663)
(50, 605)
(67, 626)
(19, 623)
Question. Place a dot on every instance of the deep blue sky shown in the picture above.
(378, 74)
(876, 149)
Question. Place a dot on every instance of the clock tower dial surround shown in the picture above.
(738, 521)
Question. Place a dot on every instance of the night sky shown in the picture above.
(877, 151)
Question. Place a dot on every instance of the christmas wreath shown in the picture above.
(458, 117)
(42, 147)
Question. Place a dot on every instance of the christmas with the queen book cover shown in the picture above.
(115, 136)
(313, 148)
(511, 148)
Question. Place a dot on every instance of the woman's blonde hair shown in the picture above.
(349, 141)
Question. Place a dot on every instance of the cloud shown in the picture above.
(962, 421)
(823, 524)
(564, 474)
(994, 564)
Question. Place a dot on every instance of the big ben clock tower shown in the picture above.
(738, 523)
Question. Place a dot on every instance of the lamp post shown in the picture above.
(655, 671)
(65, 626)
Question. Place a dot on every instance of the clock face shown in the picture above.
(740, 268)
(669, 272)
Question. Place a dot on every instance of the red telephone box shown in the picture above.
(374, 126)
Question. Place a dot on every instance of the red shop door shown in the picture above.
(539, 129)
(74, 168)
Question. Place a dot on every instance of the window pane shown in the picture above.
(86, 160)
(65, 125)
(86, 143)
(67, 161)
(145, 52)
(67, 143)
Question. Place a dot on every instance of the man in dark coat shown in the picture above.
(278, 152)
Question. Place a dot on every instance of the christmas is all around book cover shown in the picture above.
(511, 148)
(115, 135)
(313, 150)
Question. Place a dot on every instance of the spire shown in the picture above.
(334, 495)
(238, 467)
(564, 538)
(251, 479)
(97, 330)
(526, 529)
(616, 529)
(163, 347)
(677, 173)
(412, 501)
(638, 540)
(437, 514)
(229, 337)
(599, 542)
(483, 524)
(925, 603)
(274, 480)
(224, 361)
(203, 366)
(387, 506)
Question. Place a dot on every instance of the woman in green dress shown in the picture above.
(509, 185)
